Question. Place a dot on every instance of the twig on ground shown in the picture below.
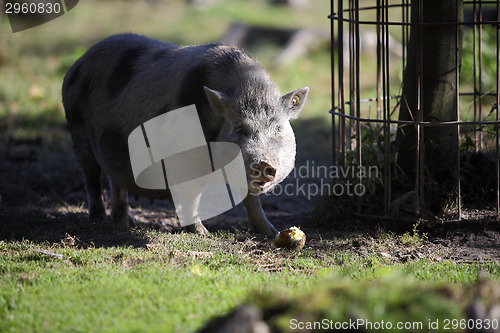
(51, 254)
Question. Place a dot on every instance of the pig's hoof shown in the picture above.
(197, 228)
(132, 221)
(124, 223)
(266, 230)
(98, 217)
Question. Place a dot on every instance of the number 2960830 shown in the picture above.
(12, 7)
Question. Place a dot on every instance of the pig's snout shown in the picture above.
(262, 175)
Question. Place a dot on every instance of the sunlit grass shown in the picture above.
(62, 287)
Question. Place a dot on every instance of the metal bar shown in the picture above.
(480, 107)
(422, 123)
(352, 82)
(387, 116)
(374, 99)
(474, 42)
(419, 175)
(398, 5)
(379, 65)
(483, 1)
(406, 32)
(340, 53)
(381, 115)
(435, 24)
(481, 96)
(376, 7)
(457, 91)
(332, 69)
(498, 118)
(358, 104)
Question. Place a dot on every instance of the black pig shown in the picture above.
(125, 80)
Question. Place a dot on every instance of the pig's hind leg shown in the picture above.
(119, 208)
(91, 172)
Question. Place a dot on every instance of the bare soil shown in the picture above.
(43, 200)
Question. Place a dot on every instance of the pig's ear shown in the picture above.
(219, 101)
(294, 101)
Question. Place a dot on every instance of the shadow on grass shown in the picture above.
(41, 226)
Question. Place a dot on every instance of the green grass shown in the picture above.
(122, 289)
(158, 287)
(148, 286)
(392, 299)
(128, 289)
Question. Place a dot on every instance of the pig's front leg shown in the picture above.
(190, 209)
(198, 228)
(257, 217)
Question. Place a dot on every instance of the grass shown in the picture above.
(69, 277)
(177, 282)
(122, 288)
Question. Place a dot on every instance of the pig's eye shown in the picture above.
(295, 100)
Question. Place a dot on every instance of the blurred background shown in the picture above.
(33, 62)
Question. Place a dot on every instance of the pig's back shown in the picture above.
(140, 78)
(125, 80)
(107, 67)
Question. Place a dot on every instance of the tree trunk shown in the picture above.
(431, 69)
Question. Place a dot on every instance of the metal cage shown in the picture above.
(369, 55)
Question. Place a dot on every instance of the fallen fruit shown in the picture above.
(292, 238)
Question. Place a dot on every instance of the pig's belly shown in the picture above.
(110, 145)
(127, 182)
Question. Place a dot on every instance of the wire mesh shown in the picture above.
(370, 60)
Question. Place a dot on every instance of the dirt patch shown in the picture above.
(43, 200)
